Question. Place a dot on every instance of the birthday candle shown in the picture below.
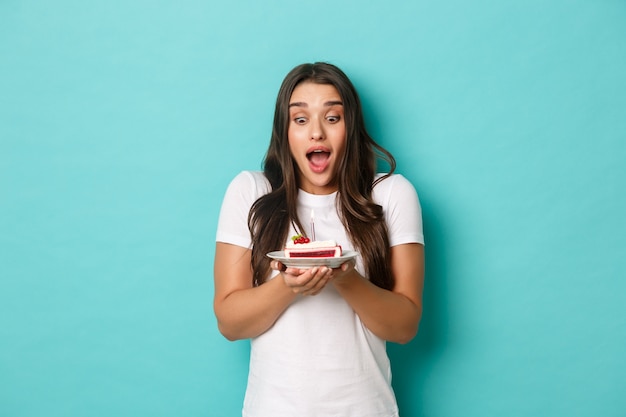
(312, 226)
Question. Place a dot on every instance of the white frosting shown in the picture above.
(312, 245)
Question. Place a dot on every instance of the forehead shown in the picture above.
(310, 92)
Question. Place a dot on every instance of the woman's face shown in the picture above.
(317, 135)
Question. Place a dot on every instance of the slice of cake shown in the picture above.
(302, 247)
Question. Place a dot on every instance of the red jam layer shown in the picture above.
(313, 254)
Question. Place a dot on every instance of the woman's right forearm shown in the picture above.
(249, 312)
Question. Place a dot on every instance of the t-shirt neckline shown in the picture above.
(316, 200)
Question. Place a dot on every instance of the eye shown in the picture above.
(299, 120)
(333, 119)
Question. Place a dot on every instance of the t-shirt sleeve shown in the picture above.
(232, 226)
(403, 211)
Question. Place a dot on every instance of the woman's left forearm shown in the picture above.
(390, 315)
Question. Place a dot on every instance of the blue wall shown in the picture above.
(121, 124)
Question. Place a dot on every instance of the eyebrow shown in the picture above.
(327, 104)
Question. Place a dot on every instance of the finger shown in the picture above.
(305, 280)
(318, 288)
(317, 282)
(293, 271)
(278, 266)
(346, 266)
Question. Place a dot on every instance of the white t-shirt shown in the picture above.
(318, 359)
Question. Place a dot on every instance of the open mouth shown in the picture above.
(318, 157)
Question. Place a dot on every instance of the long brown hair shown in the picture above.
(272, 214)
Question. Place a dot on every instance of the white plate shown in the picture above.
(311, 262)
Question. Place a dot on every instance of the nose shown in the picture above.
(317, 130)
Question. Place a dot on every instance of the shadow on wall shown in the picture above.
(413, 363)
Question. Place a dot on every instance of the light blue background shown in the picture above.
(121, 124)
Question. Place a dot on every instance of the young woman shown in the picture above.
(318, 335)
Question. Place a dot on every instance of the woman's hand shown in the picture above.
(344, 271)
(304, 281)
